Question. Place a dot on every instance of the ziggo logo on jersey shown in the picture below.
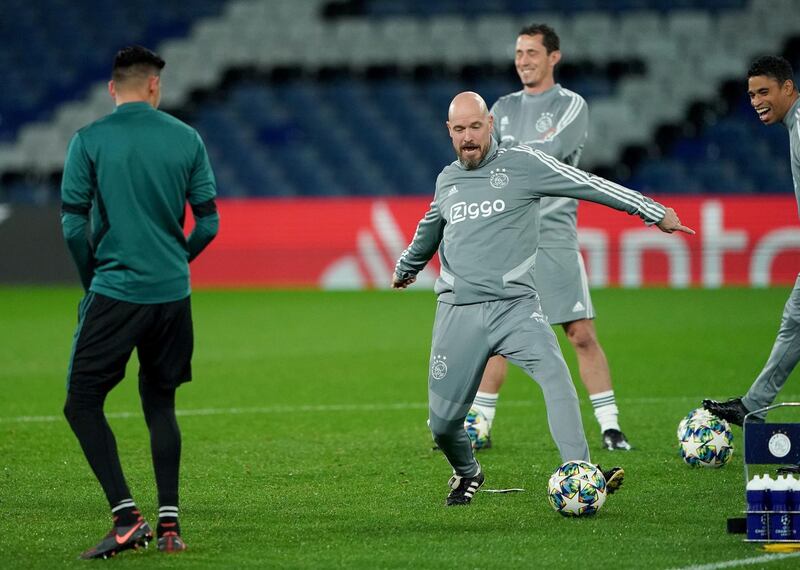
(461, 211)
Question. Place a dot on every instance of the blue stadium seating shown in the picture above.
(376, 137)
(54, 49)
(425, 8)
(733, 154)
(348, 135)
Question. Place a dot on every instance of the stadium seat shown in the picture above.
(396, 65)
(54, 48)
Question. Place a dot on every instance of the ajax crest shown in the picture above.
(439, 367)
(498, 178)
(544, 122)
(779, 445)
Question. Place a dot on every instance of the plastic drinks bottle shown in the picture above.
(794, 505)
(780, 523)
(756, 492)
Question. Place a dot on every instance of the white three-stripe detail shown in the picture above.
(653, 211)
(615, 190)
(570, 115)
(797, 123)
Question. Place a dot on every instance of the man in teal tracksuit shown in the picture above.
(484, 220)
(133, 172)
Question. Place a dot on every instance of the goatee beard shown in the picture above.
(470, 164)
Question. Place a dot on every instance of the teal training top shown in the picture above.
(133, 171)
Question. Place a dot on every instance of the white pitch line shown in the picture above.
(321, 408)
(327, 408)
(742, 561)
(242, 411)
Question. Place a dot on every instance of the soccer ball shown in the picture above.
(698, 414)
(576, 488)
(477, 427)
(706, 442)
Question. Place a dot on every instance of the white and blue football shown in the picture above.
(576, 488)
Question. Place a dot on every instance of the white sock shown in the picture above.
(605, 410)
(487, 404)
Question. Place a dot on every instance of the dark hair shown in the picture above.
(549, 36)
(136, 61)
(774, 66)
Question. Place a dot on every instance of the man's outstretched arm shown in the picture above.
(549, 177)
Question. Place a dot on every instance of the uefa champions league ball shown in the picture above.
(698, 414)
(706, 442)
(477, 427)
(576, 488)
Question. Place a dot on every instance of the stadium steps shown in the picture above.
(718, 145)
(287, 34)
(375, 133)
(53, 49)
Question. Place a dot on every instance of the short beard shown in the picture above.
(471, 164)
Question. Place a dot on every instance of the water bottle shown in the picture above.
(757, 522)
(768, 483)
(780, 521)
(794, 505)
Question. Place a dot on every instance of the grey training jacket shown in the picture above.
(485, 221)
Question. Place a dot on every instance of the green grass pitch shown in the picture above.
(305, 443)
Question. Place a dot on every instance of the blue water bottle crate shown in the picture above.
(773, 505)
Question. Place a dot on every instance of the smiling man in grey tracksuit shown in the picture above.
(484, 220)
(775, 98)
(555, 120)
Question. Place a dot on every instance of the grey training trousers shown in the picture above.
(782, 360)
(464, 337)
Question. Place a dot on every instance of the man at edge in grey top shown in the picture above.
(555, 120)
(774, 96)
(484, 220)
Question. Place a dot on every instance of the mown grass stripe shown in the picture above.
(332, 408)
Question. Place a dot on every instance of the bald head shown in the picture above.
(470, 126)
(467, 103)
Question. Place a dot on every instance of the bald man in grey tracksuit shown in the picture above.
(484, 220)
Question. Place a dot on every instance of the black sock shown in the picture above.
(168, 521)
(125, 513)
